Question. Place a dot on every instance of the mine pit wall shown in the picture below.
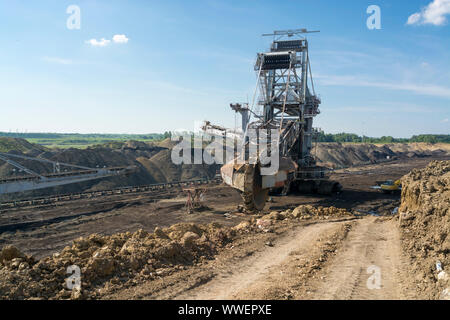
(338, 155)
(154, 165)
(425, 228)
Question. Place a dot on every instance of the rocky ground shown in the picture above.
(350, 246)
(425, 227)
(154, 165)
(45, 229)
(112, 263)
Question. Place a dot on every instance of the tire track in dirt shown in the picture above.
(45, 222)
(373, 243)
(235, 278)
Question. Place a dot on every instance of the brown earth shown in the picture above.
(152, 161)
(112, 263)
(300, 249)
(106, 261)
(337, 155)
(372, 242)
(425, 227)
(43, 230)
(154, 165)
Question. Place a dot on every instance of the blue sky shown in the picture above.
(185, 61)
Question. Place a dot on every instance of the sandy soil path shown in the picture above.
(336, 260)
(238, 277)
(369, 265)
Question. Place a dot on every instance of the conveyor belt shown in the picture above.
(102, 193)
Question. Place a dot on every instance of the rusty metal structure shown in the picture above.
(194, 199)
(288, 104)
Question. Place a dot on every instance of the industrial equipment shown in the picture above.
(194, 198)
(391, 186)
(287, 103)
(34, 180)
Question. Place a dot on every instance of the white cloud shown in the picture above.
(352, 81)
(414, 18)
(120, 38)
(445, 120)
(434, 13)
(58, 60)
(96, 43)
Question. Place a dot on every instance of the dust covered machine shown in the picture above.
(287, 105)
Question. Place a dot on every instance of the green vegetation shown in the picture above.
(75, 140)
(9, 144)
(431, 138)
(354, 138)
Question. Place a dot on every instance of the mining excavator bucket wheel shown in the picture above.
(254, 200)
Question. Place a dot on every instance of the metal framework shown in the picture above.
(194, 199)
(286, 101)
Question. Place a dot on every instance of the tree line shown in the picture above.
(75, 136)
(354, 138)
(321, 137)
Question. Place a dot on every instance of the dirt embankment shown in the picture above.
(425, 227)
(110, 263)
(152, 160)
(154, 164)
(20, 146)
(106, 261)
(337, 155)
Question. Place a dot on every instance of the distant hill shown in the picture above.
(19, 145)
(154, 165)
(341, 155)
(75, 140)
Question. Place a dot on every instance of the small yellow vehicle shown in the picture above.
(391, 186)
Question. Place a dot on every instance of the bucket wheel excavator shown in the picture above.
(287, 103)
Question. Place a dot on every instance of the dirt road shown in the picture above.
(369, 265)
(236, 278)
(371, 245)
(351, 259)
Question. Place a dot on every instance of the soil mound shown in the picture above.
(18, 145)
(337, 155)
(305, 212)
(425, 224)
(107, 261)
(153, 163)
